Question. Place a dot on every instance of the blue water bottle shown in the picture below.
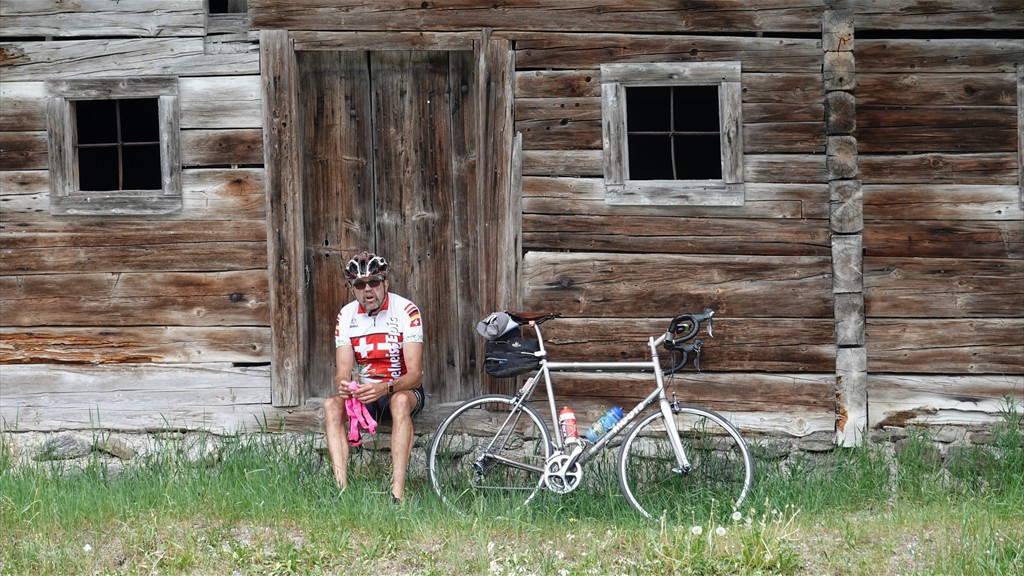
(602, 426)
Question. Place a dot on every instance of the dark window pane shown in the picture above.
(228, 6)
(698, 157)
(96, 121)
(647, 109)
(97, 169)
(650, 157)
(140, 120)
(696, 108)
(142, 168)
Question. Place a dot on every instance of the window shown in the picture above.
(228, 6)
(113, 146)
(672, 134)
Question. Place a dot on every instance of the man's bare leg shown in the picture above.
(402, 405)
(334, 432)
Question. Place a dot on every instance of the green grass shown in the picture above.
(265, 504)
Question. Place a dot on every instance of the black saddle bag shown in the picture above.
(511, 355)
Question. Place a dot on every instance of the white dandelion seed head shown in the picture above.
(697, 530)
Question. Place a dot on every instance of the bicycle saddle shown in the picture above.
(527, 317)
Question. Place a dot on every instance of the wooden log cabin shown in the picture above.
(181, 182)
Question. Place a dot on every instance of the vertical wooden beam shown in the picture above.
(846, 222)
(285, 255)
(1020, 132)
(498, 259)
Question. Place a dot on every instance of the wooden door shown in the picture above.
(387, 165)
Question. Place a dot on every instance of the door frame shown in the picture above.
(493, 203)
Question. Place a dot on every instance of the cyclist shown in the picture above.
(379, 342)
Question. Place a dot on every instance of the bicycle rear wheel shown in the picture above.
(488, 452)
(721, 468)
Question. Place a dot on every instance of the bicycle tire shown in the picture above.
(473, 457)
(721, 470)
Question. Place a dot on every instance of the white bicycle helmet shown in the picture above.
(366, 265)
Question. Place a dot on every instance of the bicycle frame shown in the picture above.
(584, 453)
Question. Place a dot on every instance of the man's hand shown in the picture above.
(370, 391)
(341, 385)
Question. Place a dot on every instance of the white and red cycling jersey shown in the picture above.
(377, 340)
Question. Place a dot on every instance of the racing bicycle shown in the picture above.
(674, 458)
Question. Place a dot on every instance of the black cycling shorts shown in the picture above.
(381, 407)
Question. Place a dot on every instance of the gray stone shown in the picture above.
(63, 447)
(115, 447)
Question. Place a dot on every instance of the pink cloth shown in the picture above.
(358, 415)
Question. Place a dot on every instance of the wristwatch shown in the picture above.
(391, 387)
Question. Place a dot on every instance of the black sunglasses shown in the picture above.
(361, 284)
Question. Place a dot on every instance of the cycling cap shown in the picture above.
(365, 265)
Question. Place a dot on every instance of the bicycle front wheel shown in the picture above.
(720, 473)
(489, 451)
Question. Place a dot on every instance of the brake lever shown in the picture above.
(697, 347)
(710, 313)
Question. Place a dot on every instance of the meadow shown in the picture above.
(267, 505)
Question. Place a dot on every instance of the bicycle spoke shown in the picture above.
(718, 478)
(484, 455)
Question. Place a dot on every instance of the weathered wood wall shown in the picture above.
(141, 322)
(938, 136)
(905, 144)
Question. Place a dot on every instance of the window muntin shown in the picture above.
(113, 146)
(672, 133)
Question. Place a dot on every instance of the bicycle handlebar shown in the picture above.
(682, 328)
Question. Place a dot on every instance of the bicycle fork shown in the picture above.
(683, 462)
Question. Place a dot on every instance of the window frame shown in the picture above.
(66, 197)
(619, 189)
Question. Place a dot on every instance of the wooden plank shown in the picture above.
(207, 194)
(942, 203)
(139, 18)
(947, 346)
(220, 102)
(498, 283)
(793, 404)
(23, 150)
(903, 130)
(942, 287)
(963, 56)
(143, 256)
(285, 252)
(642, 16)
(902, 400)
(916, 88)
(585, 196)
(242, 146)
(674, 234)
(97, 58)
(566, 51)
(942, 238)
(739, 345)
(994, 169)
(363, 40)
(217, 398)
(136, 299)
(614, 285)
(763, 168)
(465, 214)
(24, 107)
(118, 345)
(935, 15)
